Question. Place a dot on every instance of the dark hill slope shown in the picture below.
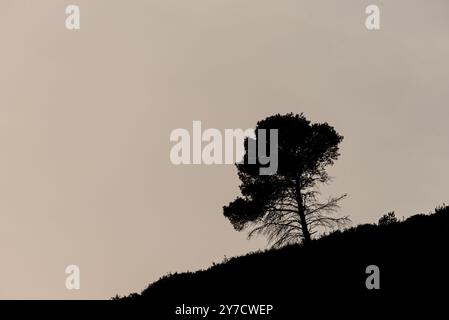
(412, 256)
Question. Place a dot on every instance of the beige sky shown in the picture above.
(85, 118)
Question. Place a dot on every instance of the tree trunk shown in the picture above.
(302, 216)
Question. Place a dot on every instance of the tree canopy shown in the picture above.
(285, 206)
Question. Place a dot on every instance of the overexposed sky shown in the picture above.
(85, 118)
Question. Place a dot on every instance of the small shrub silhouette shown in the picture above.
(388, 218)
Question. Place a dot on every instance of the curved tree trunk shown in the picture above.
(302, 216)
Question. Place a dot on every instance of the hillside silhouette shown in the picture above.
(411, 255)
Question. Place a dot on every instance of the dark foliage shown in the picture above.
(285, 206)
(388, 218)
